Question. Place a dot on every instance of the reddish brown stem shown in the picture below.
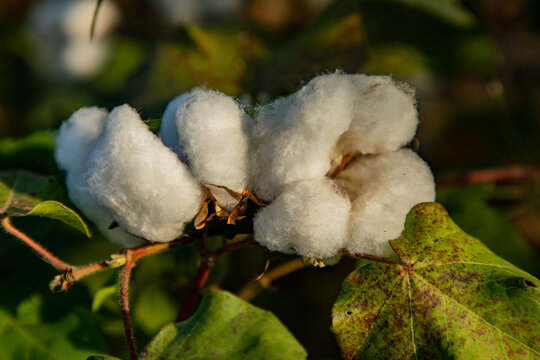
(230, 247)
(125, 276)
(198, 283)
(249, 291)
(207, 262)
(44, 253)
(367, 256)
(503, 173)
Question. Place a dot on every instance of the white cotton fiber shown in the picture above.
(144, 184)
(213, 139)
(294, 137)
(383, 188)
(76, 138)
(384, 119)
(309, 217)
(168, 131)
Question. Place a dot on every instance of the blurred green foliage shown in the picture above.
(475, 65)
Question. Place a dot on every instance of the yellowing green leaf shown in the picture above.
(449, 296)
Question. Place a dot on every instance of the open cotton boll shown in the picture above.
(149, 191)
(310, 217)
(78, 16)
(384, 116)
(79, 194)
(76, 138)
(214, 141)
(168, 131)
(383, 188)
(294, 137)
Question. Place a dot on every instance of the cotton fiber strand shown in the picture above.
(383, 188)
(150, 192)
(294, 137)
(76, 138)
(213, 139)
(309, 217)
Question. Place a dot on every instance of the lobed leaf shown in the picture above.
(23, 193)
(225, 327)
(449, 296)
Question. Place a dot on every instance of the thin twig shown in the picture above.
(42, 252)
(73, 274)
(503, 173)
(230, 247)
(125, 275)
(252, 289)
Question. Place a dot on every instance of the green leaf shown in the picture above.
(23, 193)
(72, 337)
(448, 297)
(102, 295)
(225, 327)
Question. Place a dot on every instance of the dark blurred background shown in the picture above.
(475, 65)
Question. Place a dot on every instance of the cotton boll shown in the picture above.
(168, 131)
(143, 183)
(294, 137)
(76, 138)
(84, 58)
(79, 194)
(385, 117)
(310, 217)
(214, 140)
(78, 16)
(383, 188)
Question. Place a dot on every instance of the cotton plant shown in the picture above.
(328, 165)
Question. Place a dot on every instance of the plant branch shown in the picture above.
(207, 262)
(42, 252)
(230, 247)
(503, 173)
(125, 275)
(73, 274)
(252, 289)
(198, 283)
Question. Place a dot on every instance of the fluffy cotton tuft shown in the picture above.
(150, 192)
(309, 217)
(304, 135)
(294, 137)
(383, 188)
(76, 138)
(385, 117)
(168, 131)
(212, 138)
